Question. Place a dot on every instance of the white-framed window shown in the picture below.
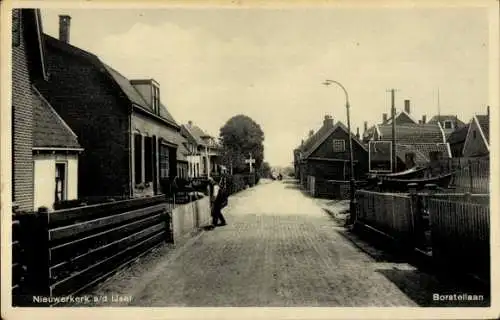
(164, 161)
(448, 124)
(338, 145)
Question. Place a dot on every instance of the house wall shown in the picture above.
(45, 175)
(325, 150)
(474, 147)
(456, 149)
(90, 104)
(194, 161)
(182, 169)
(22, 127)
(148, 127)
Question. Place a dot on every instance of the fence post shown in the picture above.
(169, 236)
(471, 176)
(418, 232)
(35, 241)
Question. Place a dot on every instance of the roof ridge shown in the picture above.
(127, 79)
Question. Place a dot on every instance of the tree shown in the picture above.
(241, 136)
(265, 170)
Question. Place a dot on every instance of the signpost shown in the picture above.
(250, 161)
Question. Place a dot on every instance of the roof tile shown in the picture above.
(50, 130)
(419, 133)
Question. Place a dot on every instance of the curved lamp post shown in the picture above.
(352, 204)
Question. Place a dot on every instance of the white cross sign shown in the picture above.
(250, 162)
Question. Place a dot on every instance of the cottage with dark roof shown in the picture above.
(204, 157)
(55, 156)
(477, 141)
(44, 148)
(129, 137)
(325, 154)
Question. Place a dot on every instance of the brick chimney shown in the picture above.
(328, 121)
(424, 119)
(357, 133)
(311, 133)
(407, 106)
(384, 117)
(365, 126)
(64, 28)
(488, 111)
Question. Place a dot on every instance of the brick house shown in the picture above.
(128, 135)
(477, 140)
(44, 148)
(204, 157)
(325, 154)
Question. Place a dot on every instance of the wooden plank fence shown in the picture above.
(461, 235)
(458, 225)
(470, 175)
(18, 266)
(391, 213)
(67, 251)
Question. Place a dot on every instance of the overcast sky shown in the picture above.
(269, 64)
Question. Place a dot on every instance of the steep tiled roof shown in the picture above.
(421, 151)
(128, 89)
(197, 133)
(484, 123)
(182, 151)
(50, 130)
(323, 133)
(459, 135)
(419, 133)
(402, 118)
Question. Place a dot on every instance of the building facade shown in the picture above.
(205, 152)
(45, 150)
(128, 135)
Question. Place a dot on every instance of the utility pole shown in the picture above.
(393, 116)
(439, 107)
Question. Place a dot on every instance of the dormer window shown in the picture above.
(156, 99)
(448, 124)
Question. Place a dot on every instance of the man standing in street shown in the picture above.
(219, 201)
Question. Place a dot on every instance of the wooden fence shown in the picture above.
(454, 228)
(67, 251)
(18, 274)
(392, 213)
(470, 175)
(460, 235)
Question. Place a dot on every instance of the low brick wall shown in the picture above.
(187, 219)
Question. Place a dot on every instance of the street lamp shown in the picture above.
(352, 204)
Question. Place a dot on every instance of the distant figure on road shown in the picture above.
(219, 201)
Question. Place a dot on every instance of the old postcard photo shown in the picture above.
(324, 154)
